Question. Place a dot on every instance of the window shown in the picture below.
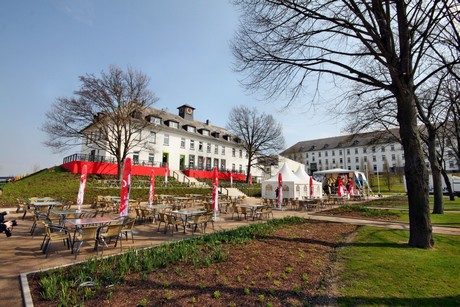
(136, 157)
(383, 158)
(191, 161)
(151, 158)
(306, 155)
(364, 150)
(208, 163)
(241, 168)
(319, 154)
(348, 160)
(216, 149)
(223, 150)
(365, 158)
(341, 161)
(153, 137)
(200, 146)
(374, 158)
(233, 152)
(393, 157)
(208, 147)
(241, 153)
(216, 163)
(155, 120)
(182, 143)
(348, 151)
(373, 148)
(166, 139)
(192, 144)
(333, 160)
(325, 153)
(340, 152)
(233, 167)
(356, 150)
(174, 125)
(223, 164)
(392, 147)
(333, 153)
(356, 160)
(205, 132)
(191, 129)
(200, 162)
(383, 149)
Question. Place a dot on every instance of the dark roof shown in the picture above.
(183, 123)
(352, 140)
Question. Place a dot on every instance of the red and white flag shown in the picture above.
(81, 190)
(166, 173)
(231, 179)
(311, 187)
(215, 192)
(125, 187)
(280, 190)
(152, 187)
(250, 179)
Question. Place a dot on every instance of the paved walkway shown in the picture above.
(21, 253)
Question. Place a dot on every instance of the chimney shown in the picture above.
(208, 122)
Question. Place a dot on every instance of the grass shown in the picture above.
(380, 269)
(58, 183)
(446, 219)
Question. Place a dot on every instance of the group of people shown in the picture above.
(333, 185)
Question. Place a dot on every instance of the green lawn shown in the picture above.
(446, 219)
(379, 269)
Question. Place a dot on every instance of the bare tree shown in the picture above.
(262, 137)
(386, 46)
(106, 112)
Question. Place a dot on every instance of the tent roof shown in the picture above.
(302, 174)
(287, 174)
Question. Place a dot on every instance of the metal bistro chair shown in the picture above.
(128, 227)
(54, 233)
(85, 234)
(111, 231)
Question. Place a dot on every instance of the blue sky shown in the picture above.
(182, 45)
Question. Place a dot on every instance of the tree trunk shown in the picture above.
(448, 184)
(416, 172)
(438, 207)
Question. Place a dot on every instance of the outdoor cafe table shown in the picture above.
(253, 208)
(188, 214)
(64, 213)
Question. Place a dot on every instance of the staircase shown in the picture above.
(234, 192)
(180, 177)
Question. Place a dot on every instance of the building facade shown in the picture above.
(183, 143)
(372, 152)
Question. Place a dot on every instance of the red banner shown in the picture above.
(280, 189)
(125, 187)
(215, 192)
(152, 187)
(81, 190)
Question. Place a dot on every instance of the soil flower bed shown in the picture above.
(284, 263)
(359, 211)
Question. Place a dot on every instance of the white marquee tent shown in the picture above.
(305, 178)
(293, 186)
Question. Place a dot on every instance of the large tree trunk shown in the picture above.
(416, 173)
(438, 207)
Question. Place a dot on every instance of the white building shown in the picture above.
(374, 151)
(183, 143)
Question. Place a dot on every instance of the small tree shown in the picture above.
(106, 112)
(261, 135)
